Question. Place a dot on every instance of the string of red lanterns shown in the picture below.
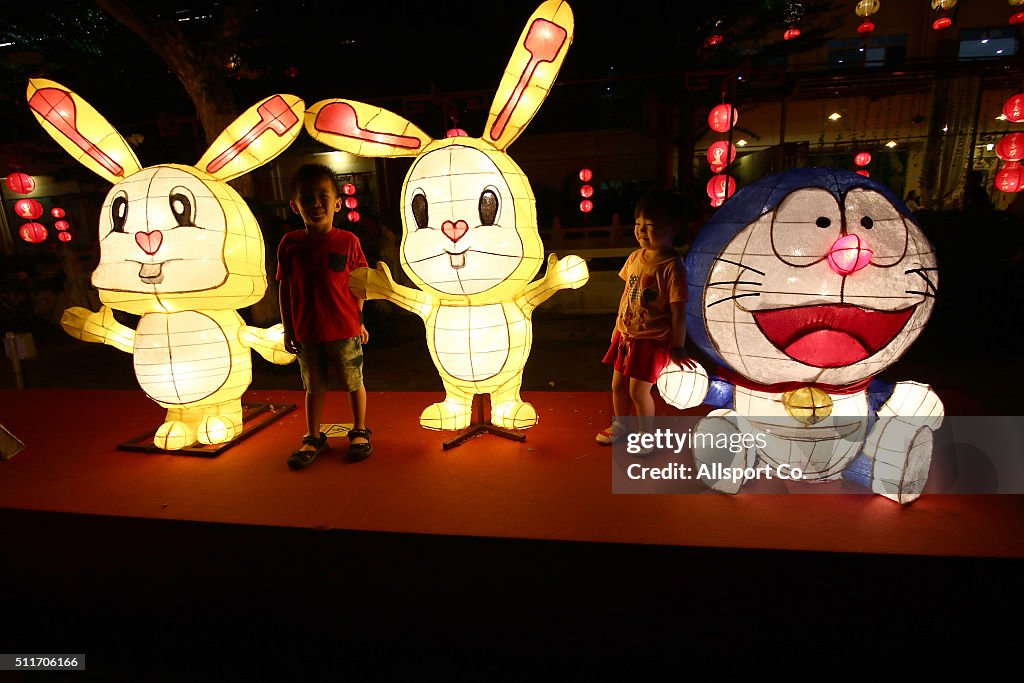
(1010, 178)
(586, 190)
(21, 183)
(720, 154)
(944, 10)
(350, 202)
(866, 9)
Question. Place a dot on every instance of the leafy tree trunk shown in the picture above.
(198, 62)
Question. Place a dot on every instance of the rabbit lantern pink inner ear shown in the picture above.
(81, 130)
(254, 138)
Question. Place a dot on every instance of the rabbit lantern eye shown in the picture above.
(488, 207)
(182, 204)
(419, 210)
(119, 213)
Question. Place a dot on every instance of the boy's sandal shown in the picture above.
(606, 437)
(299, 459)
(360, 451)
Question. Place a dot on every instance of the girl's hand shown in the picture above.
(679, 357)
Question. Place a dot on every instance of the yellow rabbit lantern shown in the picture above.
(180, 248)
(470, 240)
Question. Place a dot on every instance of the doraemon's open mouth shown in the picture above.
(831, 336)
(152, 273)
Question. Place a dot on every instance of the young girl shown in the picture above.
(651, 325)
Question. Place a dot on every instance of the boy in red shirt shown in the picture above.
(322, 318)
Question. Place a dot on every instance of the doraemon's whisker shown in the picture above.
(914, 291)
(737, 263)
(738, 296)
(920, 271)
(735, 282)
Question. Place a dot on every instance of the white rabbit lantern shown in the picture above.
(180, 248)
(470, 241)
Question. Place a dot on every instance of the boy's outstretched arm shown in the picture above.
(568, 273)
(377, 283)
(99, 327)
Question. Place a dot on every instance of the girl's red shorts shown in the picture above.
(641, 359)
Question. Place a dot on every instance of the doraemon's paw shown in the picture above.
(447, 415)
(901, 451)
(514, 415)
(720, 468)
(568, 273)
(217, 429)
(174, 435)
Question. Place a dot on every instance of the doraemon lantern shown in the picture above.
(803, 287)
(470, 240)
(180, 248)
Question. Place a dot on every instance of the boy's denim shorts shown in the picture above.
(334, 364)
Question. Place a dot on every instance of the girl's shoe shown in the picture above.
(606, 437)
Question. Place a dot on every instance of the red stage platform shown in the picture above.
(555, 486)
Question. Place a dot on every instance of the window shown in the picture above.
(876, 51)
(990, 43)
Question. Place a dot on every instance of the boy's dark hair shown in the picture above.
(309, 172)
(662, 206)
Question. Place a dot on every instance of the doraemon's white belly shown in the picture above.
(180, 357)
(471, 342)
(821, 450)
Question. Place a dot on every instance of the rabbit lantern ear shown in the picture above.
(254, 138)
(364, 130)
(530, 72)
(81, 130)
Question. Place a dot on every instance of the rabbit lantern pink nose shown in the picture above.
(149, 242)
(848, 254)
(454, 231)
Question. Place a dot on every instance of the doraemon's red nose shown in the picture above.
(848, 254)
(454, 231)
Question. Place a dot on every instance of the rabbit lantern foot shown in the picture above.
(180, 248)
(470, 242)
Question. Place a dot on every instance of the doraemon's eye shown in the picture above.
(488, 207)
(805, 225)
(119, 213)
(878, 222)
(419, 210)
(182, 206)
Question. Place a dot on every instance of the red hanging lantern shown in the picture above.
(723, 117)
(61, 225)
(586, 174)
(791, 33)
(353, 216)
(22, 183)
(1010, 178)
(721, 154)
(1014, 108)
(862, 159)
(587, 191)
(865, 28)
(57, 212)
(348, 189)
(717, 202)
(941, 23)
(713, 40)
(351, 202)
(64, 236)
(863, 173)
(1011, 147)
(28, 208)
(721, 187)
(1017, 18)
(33, 233)
(586, 206)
